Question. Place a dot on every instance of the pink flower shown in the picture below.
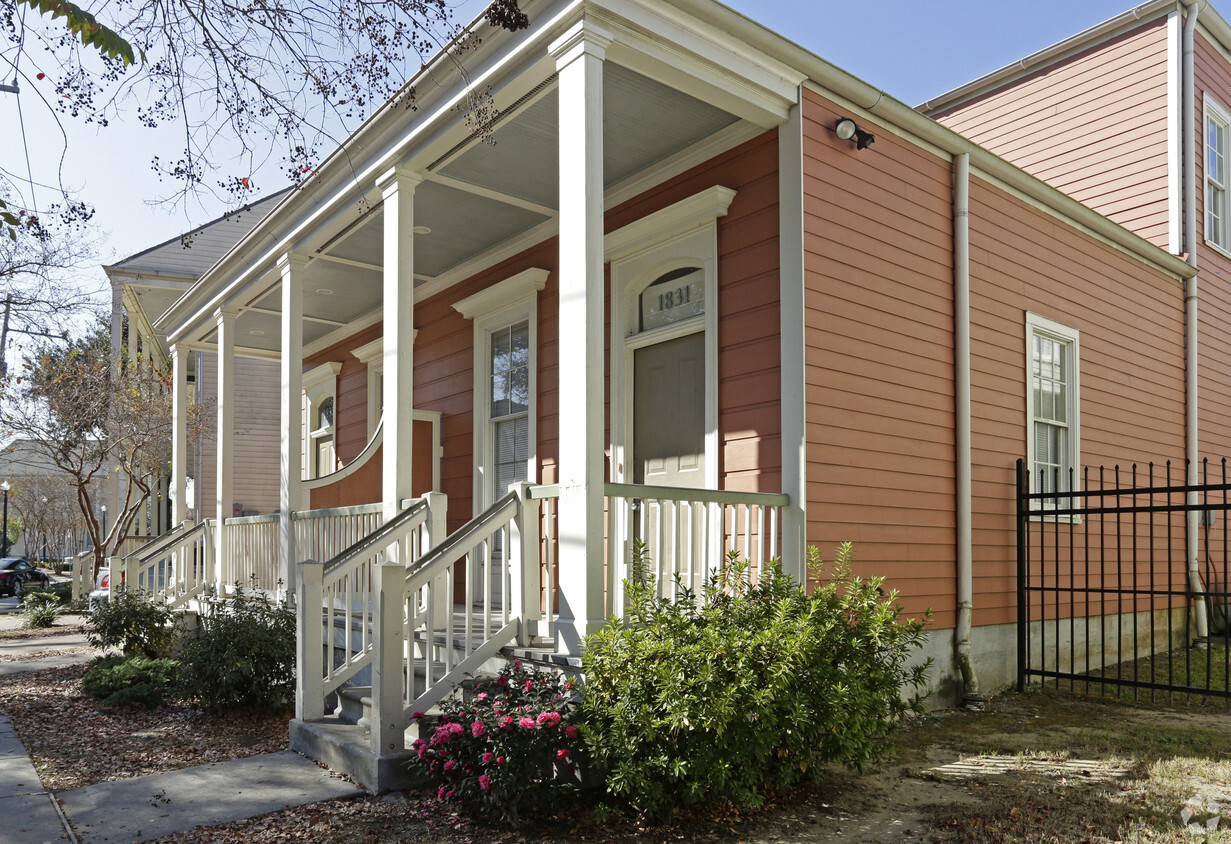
(506, 723)
(450, 765)
(485, 782)
(478, 728)
(442, 793)
(548, 719)
(571, 731)
(526, 722)
(482, 697)
(418, 715)
(499, 760)
(455, 727)
(529, 685)
(488, 757)
(502, 681)
(562, 753)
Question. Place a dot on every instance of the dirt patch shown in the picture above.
(1039, 767)
(74, 741)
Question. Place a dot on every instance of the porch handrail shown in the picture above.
(343, 589)
(376, 536)
(159, 542)
(252, 520)
(415, 614)
(378, 437)
(330, 512)
(681, 535)
(703, 496)
(325, 534)
(177, 569)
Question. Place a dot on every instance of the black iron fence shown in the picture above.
(1110, 599)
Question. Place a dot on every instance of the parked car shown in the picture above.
(102, 589)
(18, 575)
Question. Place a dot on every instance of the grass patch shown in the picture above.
(1206, 669)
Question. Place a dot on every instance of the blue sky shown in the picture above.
(914, 49)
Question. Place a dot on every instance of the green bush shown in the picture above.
(128, 680)
(135, 624)
(747, 688)
(243, 655)
(62, 590)
(40, 609)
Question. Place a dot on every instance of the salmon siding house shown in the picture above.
(675, 301)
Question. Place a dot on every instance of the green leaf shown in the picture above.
(86, 27)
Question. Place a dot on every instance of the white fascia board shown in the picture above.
(687, 53)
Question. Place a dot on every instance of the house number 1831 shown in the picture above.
(674, 298)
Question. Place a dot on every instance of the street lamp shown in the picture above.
(4, 533)
(104, 506)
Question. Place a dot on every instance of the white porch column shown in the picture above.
(579, 59)
(137, 526)
(179, 435)
(225, 438)
(291, 361)
(793, 390)
(398, 189)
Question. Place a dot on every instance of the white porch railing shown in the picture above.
(388, 600)
(323, 534)
(336, 645)
(83, 563)
(686, 534)
(252, 552)
(425, 645)
(177, 566)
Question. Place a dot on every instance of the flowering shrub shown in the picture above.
(747, 688)
(505, 747)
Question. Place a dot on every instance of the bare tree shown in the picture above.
(46, 502)
(277, 79)
(41, 293)
(87, 418)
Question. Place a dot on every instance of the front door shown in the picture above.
(669, 412)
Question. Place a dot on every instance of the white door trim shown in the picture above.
(630, 275)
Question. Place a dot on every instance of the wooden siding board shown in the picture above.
(1093, 125)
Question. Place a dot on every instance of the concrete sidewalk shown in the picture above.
(30, 814)
(67, 636)
(141, 808)
(144, 808)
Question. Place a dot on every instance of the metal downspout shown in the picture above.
(961, 359)
(1192, 445)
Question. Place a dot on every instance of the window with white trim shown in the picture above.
(1217, 224)
(320, 395)
(1054, 433)
(505, 369)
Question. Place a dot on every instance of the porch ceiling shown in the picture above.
(482, 195)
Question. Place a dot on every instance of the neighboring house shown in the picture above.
(675, 266)
(143, 286)
(58, 528)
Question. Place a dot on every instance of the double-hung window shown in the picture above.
(1052, 406)
(1217, 135)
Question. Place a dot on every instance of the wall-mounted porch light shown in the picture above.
(846, 129)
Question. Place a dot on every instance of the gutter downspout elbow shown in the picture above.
(1191, 300)
(961, 357)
